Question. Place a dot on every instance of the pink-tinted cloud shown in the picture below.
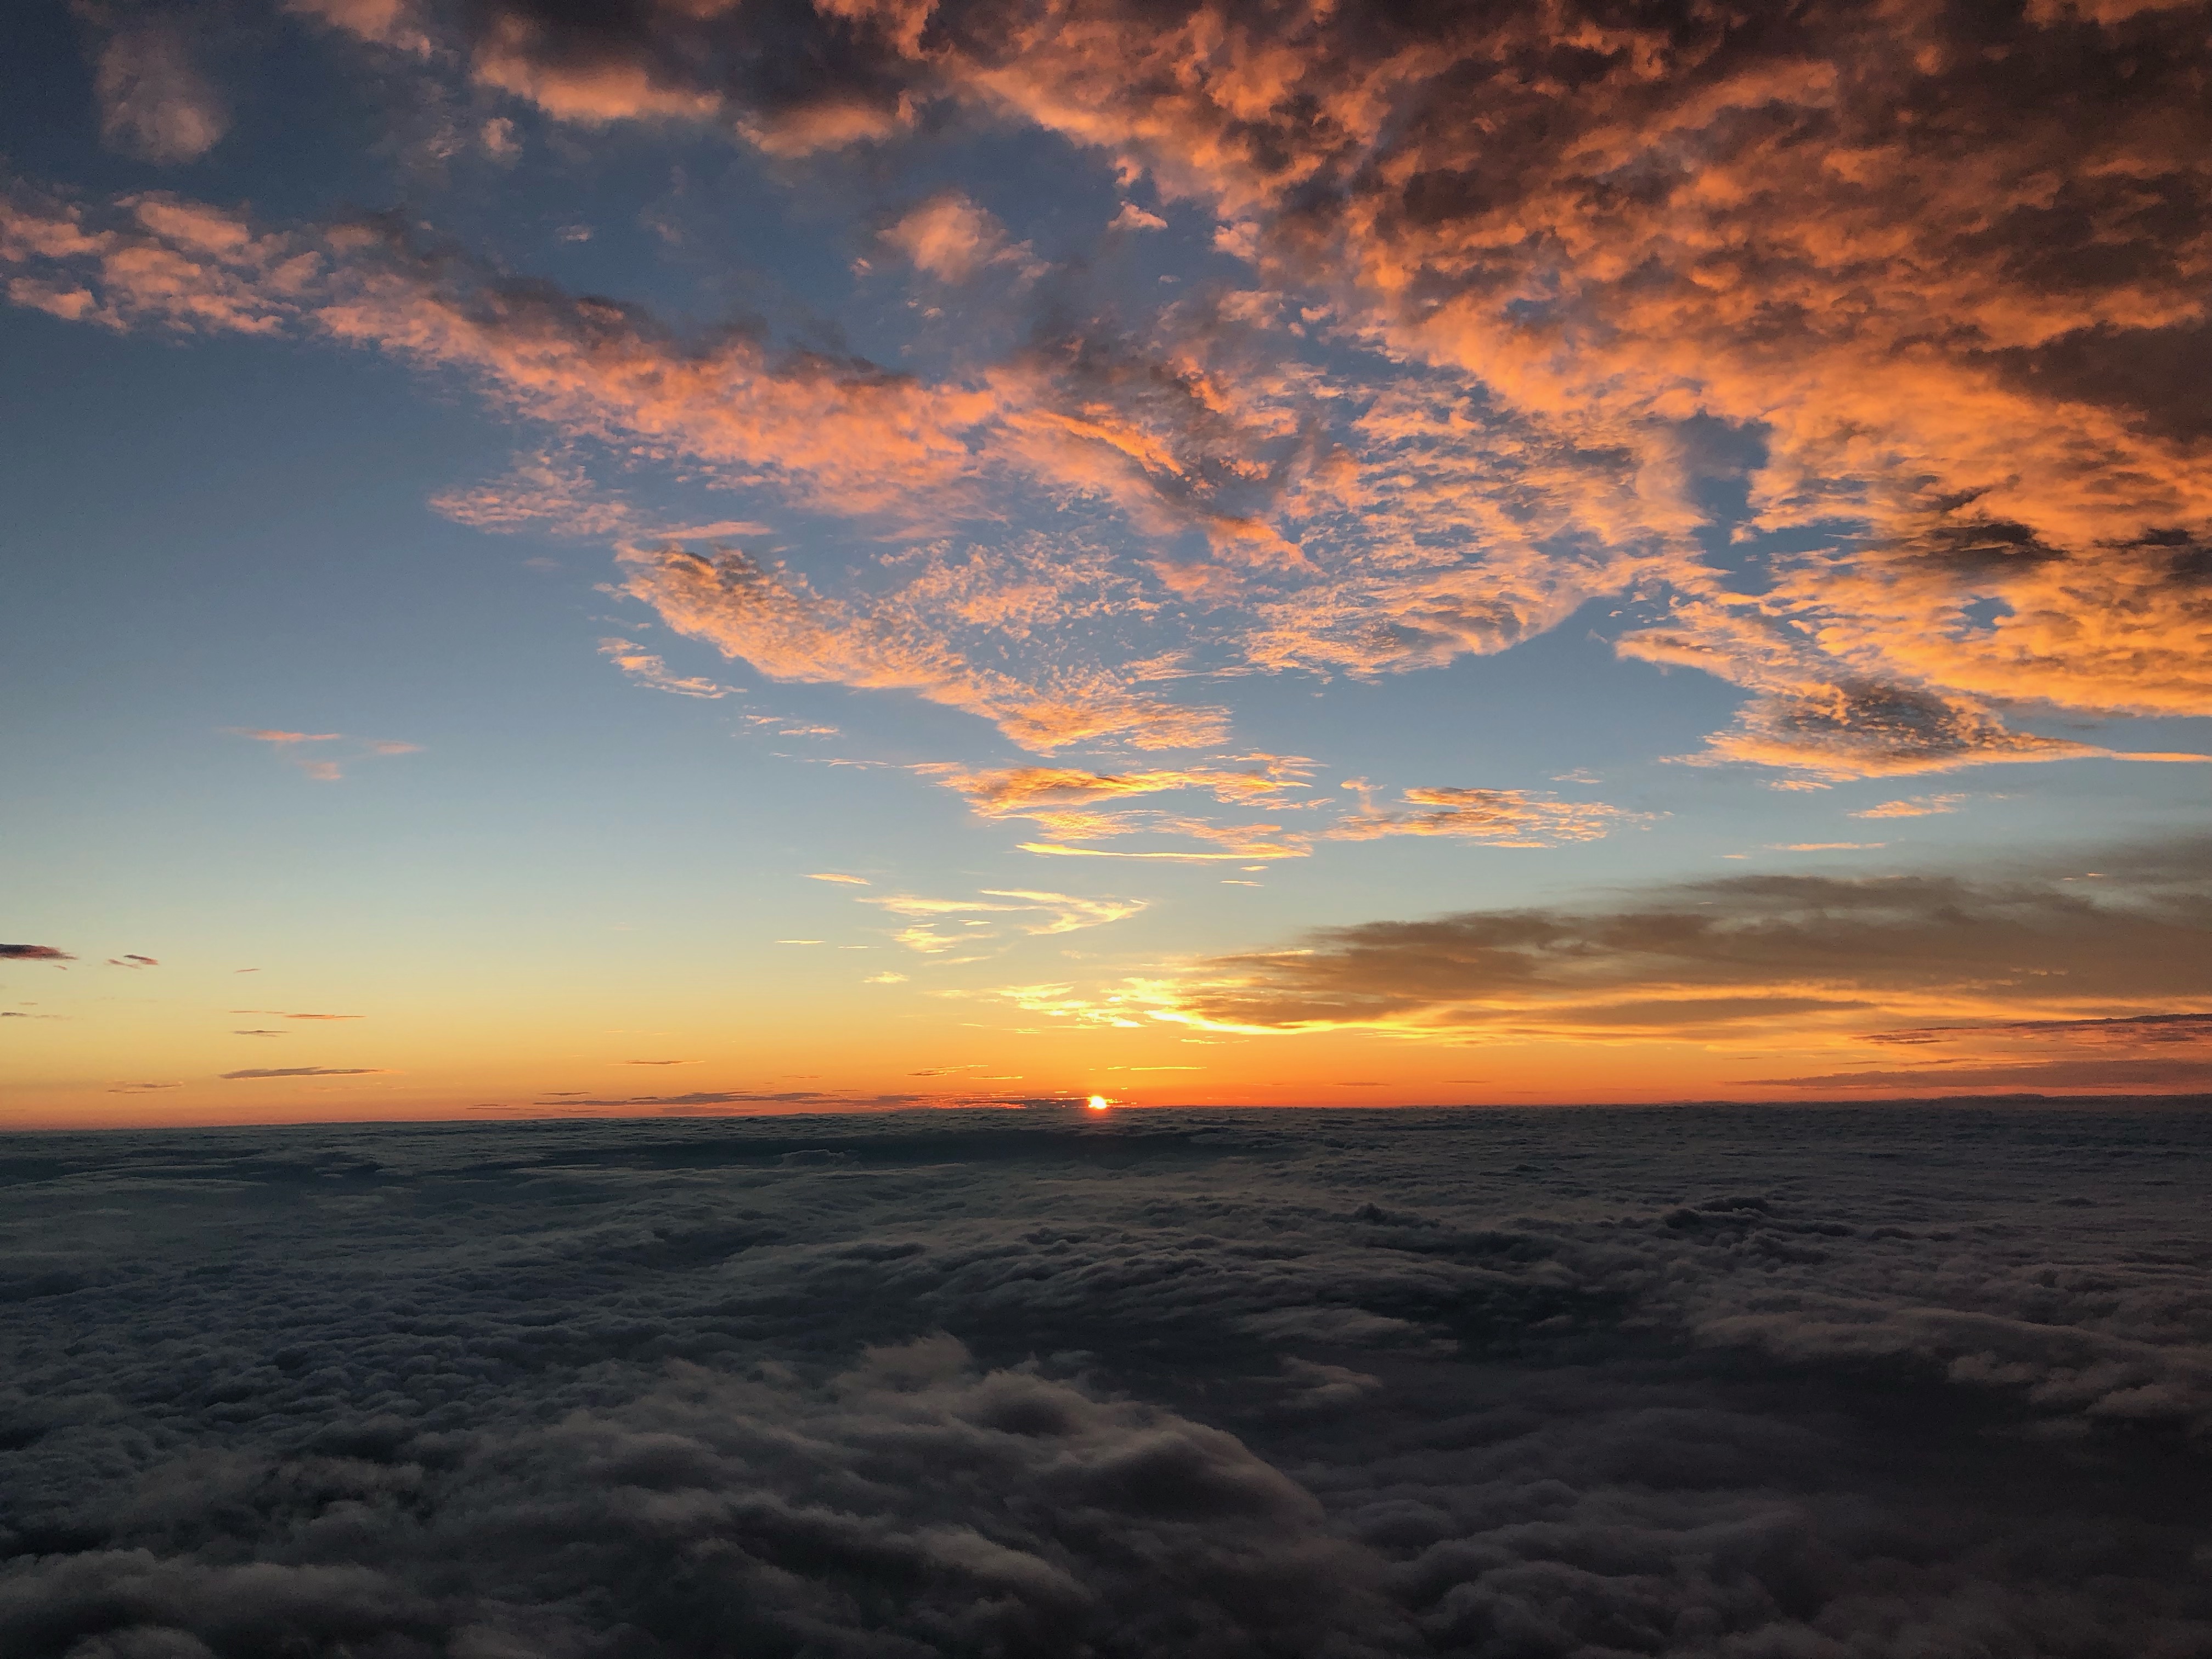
(154, 101)
(1904, 247)
(951, 237)
(543, 490)
(383, 22)
(33, 953)
(1943, 269)
(321, 766)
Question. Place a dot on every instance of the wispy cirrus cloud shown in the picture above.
(936, 926)
(1075, 804)
(2125, 1029)
(1919, 806)
(1500, 817)
(545, 489)
(325, 765)
(647, 669)
(2154, 1051)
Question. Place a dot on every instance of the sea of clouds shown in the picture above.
(1769, 1383)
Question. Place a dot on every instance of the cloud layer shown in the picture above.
(1340, 1384)
(1767, 957)
(1942, 268)
(1932, 272)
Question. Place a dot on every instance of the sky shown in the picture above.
(687, 557)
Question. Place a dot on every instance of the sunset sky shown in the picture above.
(683, 557)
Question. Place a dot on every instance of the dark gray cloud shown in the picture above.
(827, 1100)
(2134, 1052)
(2131, 1030)
(1817, 1381)
(298, 1070)
(1744, 948)
(2150, 1072)
(33, 953)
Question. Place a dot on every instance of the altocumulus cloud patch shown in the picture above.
(1654, 1382)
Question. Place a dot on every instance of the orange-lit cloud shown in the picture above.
(1919, 806)
(545, 491)
(936, 926)
(1940, 272)
(648, 670)
(1503, 818)
(773, 620)
(951, 237)
(321, 766)
(1073, 804)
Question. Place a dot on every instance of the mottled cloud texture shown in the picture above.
(1938, 272)
(1310, 1385)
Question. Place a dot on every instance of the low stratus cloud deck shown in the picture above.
(1820, 1381)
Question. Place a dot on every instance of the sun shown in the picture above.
(1099, 1103)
